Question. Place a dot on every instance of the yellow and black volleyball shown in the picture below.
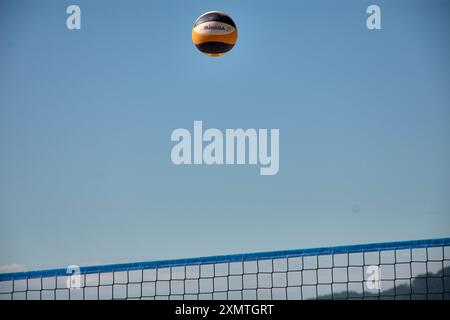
(214, 33)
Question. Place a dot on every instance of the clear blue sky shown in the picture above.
(86, 118)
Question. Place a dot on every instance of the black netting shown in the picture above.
(411, 273)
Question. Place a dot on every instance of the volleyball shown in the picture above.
(214, 33)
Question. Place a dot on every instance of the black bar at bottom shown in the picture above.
(183, 310)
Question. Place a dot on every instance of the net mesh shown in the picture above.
(406, 273)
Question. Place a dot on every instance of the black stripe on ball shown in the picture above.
(215, 16)
(214, 47)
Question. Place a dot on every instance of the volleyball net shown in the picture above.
(395, 270)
